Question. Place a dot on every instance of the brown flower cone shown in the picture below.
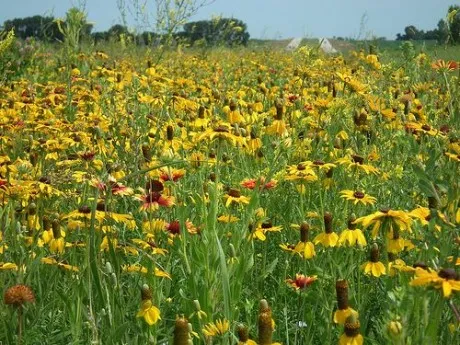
(243, 334)
(265, 324)
(181, 335)
(341, 288)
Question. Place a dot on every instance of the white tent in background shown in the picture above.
(294, 44)
(326, 46)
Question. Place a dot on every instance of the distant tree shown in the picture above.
(39, 27)
(412, 33)
(453, 22)
(442, 31)
(218, 31)
(148, 38)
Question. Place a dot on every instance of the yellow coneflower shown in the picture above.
(305, 248)
(352, 235)
(243, 336)
(351, 334)
(328, 238)
(357, 163)
(265, 323)
(53, 261)
(182, 334)
(357, 197)
(234, 196)
(344, 310)
(395, 218)
(446, 279)
(148, 311)
(301, 172)
(374, 266)
(57, 243)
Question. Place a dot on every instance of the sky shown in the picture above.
(269, 19)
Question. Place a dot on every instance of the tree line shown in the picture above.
(217, 31)
(447, 30)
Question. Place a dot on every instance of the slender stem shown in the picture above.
(20, 325)
(455, 310)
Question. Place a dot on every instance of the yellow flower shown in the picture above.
(57, 245)
(446, 279)
(374, 266)
(340, 315)
(149, 312)
(235, 196)
(400, 219)
(219, 327)
(352, 236)
(357, 197)
(327, 240)
(305, 249)
(8, 266)
(351, 334)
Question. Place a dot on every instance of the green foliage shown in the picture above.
(74, 28)
(218, 31)
(447, 31)
(38, 27)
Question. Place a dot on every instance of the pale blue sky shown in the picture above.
(272, 18)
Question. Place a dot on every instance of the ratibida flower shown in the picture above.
(174, 227)
(138, 268)
(386, 216)
(351, 335)
(328, 238)
(182, 331)
(344, 310)
(352, 236)
(254, 143)
(6, 266)
(301, 172)
(171, 174)
(301, 281)
(304, 247)
(356, 163)
(260, 183)
(446, 279)
(357, 197)
(374, 266)
(149, 312)
(60, 264)
(57, 242)
(153, 200)
(234, 196)
(257, 231)
(149, 245)
(233, 113)
(227, 218)
(278, 126)
(265, 324)
(243, 335)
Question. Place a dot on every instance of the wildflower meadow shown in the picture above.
(244, 195)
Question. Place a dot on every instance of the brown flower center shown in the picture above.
(235, 193)
(358, 195)
(448, 273)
